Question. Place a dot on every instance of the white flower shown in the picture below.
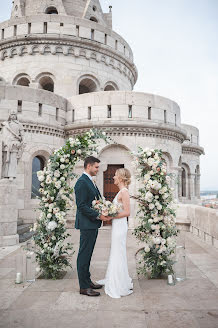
(57, 174)
(58, 184)
(62, 166)
(49, 215)
(62, 160)
(52, 225)
(147, 178)
(35, 226)
(147, 249)
(56, 210)
(41, 178)
(151, 206)
(150, 161)
(79, 151)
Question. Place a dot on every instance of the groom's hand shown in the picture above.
(104, 218)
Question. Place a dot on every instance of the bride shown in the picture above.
(117, 282)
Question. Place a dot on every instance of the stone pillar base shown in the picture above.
(9, 213)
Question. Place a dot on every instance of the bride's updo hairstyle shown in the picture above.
(124, 175)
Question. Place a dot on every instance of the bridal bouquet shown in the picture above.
(105, 207)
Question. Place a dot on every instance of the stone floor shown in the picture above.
(154, 304)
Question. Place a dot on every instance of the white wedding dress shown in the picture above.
(117, 282)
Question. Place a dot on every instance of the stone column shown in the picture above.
(198, 186)
(176, 181)
(180, 183)
(191, 178)
(9, 213)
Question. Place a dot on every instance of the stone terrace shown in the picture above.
(44, 304)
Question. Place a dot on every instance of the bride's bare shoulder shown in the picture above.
(124, 192)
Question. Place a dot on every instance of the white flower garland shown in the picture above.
(56, 199)
(156, 214)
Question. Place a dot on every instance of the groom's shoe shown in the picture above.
(89, 292)
(95, 286)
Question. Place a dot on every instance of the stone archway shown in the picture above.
(118, 155)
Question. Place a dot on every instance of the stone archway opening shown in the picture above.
(23, 81)
(93, 19)
(87, 85)
(46, 83)
(183, 182)
(51, 11)
(109, 88)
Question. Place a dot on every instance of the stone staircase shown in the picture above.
(23, 230)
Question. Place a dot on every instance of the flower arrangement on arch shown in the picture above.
(50, 234)
(156, 213)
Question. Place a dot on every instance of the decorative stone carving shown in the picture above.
(12, 148)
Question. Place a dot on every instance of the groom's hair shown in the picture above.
(91, 160)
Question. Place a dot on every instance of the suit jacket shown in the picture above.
(86, 192)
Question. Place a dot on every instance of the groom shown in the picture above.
(88, 221)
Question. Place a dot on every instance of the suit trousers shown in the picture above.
(87, 244)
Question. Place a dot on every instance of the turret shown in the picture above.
(88, 9)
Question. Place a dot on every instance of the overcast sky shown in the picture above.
(175, 46)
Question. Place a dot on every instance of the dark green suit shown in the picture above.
(88, 225)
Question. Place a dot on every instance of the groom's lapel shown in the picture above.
(89, 182)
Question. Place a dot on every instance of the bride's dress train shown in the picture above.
(117, 282)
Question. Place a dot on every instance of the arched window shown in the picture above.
(87, 85)
(93, 19)
(51, 11)
(37, 165)
(183, 182)
(24, 81)
(109, 88)
(46, 83)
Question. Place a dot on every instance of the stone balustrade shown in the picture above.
(34, 106)
(203, 222)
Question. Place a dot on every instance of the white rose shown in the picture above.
(49, 216)
(62, 160)
(62, 166)
(151, 206)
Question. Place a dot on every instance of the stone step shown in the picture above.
(19, 222)
(21, 229)
(25, 236)
(24, 232)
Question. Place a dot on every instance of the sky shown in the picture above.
(175, 47)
